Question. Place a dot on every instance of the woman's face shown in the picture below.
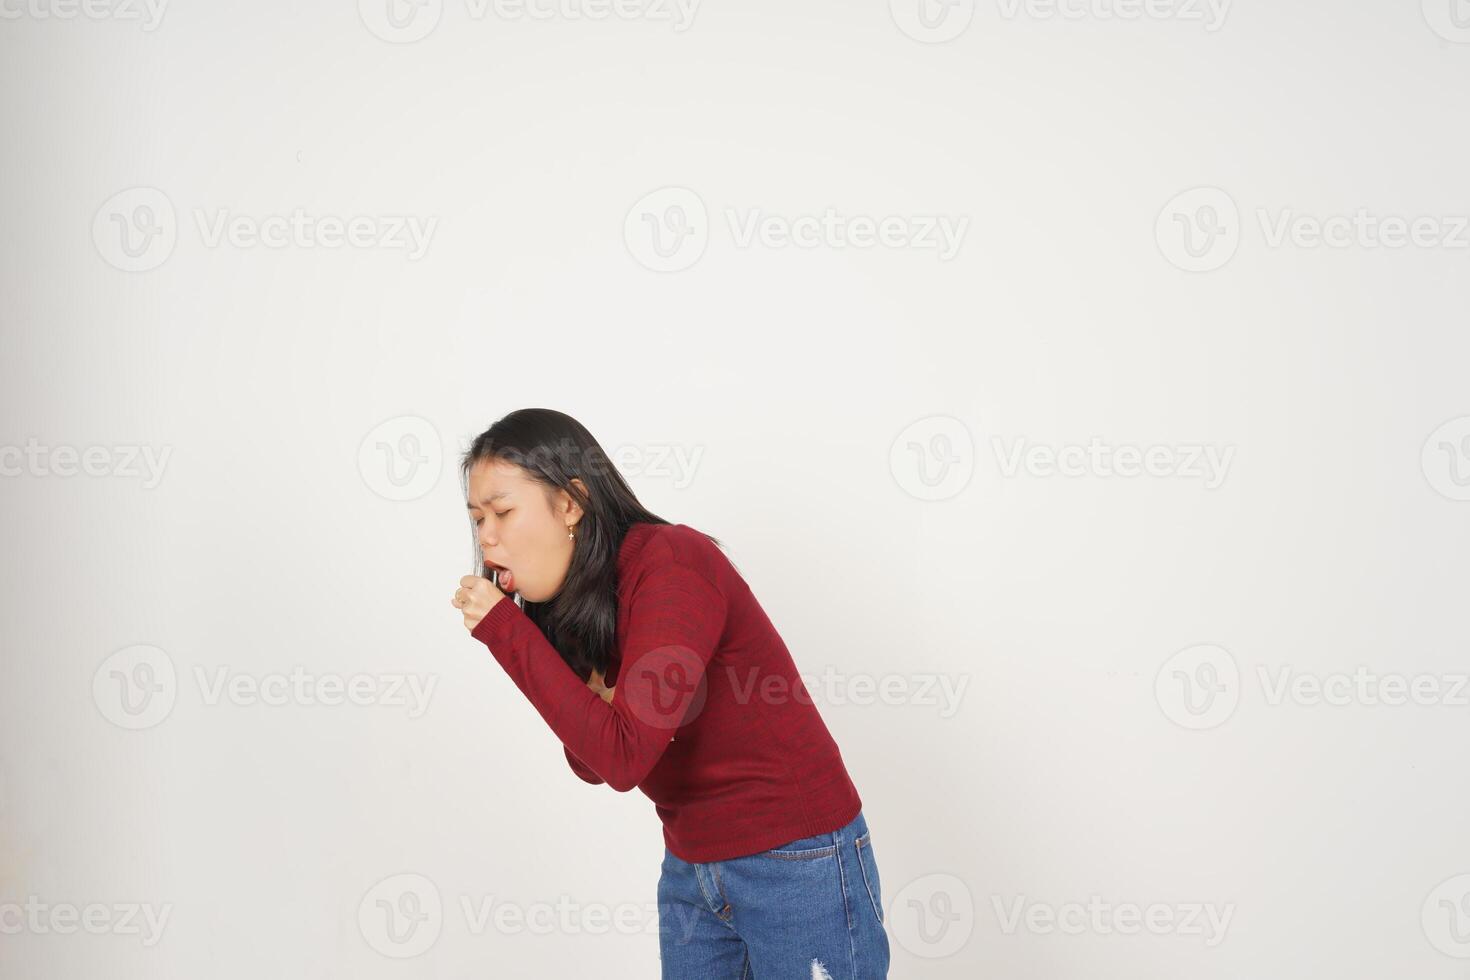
(522, 528)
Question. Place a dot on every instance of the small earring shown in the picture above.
(570, 535)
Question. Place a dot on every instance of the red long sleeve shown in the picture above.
(710, 718)
(580, 768)
(675, 616)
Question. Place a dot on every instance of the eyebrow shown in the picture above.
(494, 496)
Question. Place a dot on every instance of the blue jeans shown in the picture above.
(810, 908)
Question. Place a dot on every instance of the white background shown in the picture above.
(822, 390)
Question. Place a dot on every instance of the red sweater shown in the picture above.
(710, 718)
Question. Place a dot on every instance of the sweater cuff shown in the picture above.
(492, 625)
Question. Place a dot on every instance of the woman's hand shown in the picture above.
(475, 597)
(606, 693)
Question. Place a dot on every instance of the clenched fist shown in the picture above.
(603, 691)
(475, 597)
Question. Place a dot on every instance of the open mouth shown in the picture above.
(505, 579)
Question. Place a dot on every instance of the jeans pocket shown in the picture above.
(802, 849)
(868, 865)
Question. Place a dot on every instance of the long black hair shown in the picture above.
(551, 447)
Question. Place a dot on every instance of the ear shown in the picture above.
(570, 508)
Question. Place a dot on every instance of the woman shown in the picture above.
(647, 654)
